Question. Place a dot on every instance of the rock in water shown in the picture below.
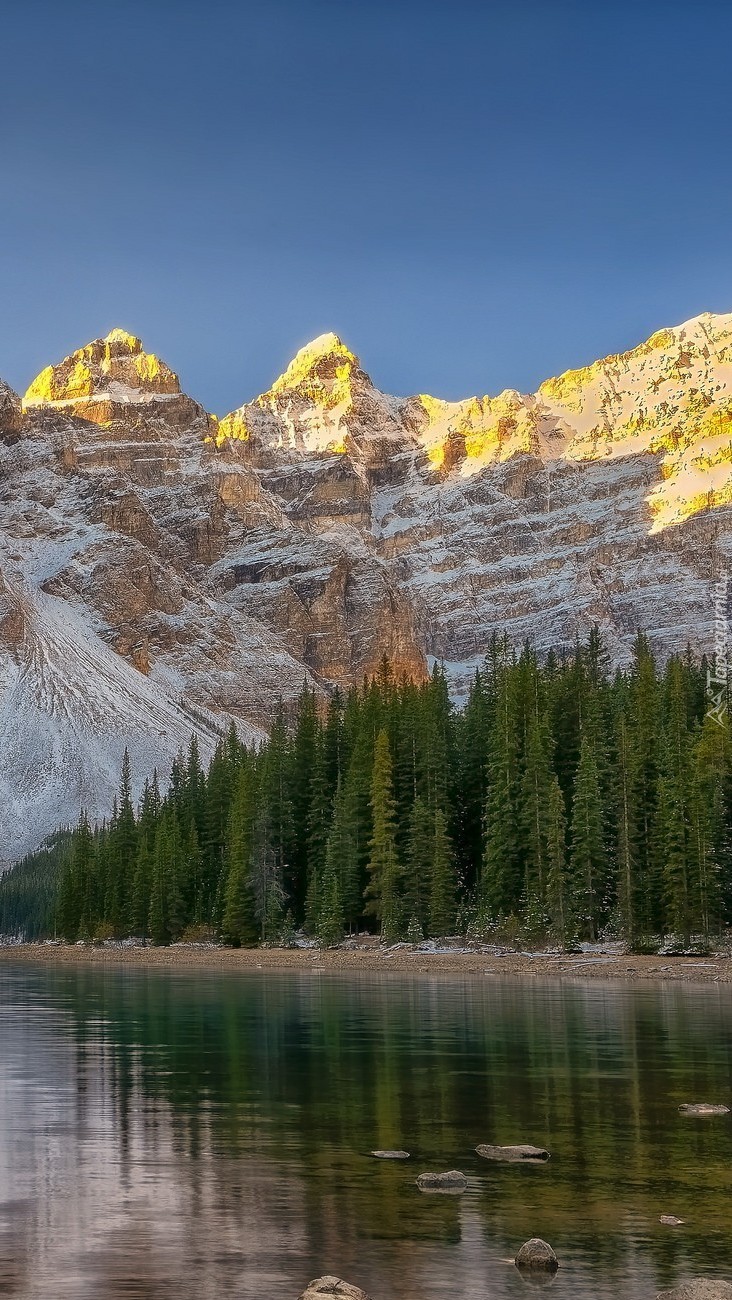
(703, 1108)
(450, 1181)
(390, 1155)
(515, 1153)
(670, 1220)
(333, 1286)
(700, 1288)
(537, 1254)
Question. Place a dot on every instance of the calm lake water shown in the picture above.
(172, 1135)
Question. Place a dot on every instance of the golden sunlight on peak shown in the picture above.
(123, 339)
(323, 348)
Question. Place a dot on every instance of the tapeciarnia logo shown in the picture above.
(717, 677)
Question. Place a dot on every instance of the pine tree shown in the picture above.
(167, 917)
(708, 832)
(534, 801)
(239, 922)
(85, 883)
(273, 832)
(627, 884)
(341, 856)
(443, 884)
(418, 862)
(158, 922)
(501, 879)
(559, 895)
(329, 928)
(121, 857)
(141, 888)
(319, 816)
(239, 926)
(68, 903)
(645, 720)
(674, 808)
(273, 920)
(588, 856)
(472, 729)
(383, 867)
(307, 843)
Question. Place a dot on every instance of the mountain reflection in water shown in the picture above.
(169, 1135)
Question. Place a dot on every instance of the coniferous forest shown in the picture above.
(563, 803)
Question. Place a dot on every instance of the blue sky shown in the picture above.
(474, 195)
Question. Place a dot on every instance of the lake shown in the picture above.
(170, 1135)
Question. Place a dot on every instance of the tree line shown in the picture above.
(563, 802)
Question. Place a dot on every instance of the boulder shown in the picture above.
(700, 1288)
(390, 1155)
(449, 1181)
(702, 1108)
(537, 1254)
(332, 1286)
(670, 1220)
(516, 1153)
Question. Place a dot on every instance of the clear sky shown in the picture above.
(475, 195)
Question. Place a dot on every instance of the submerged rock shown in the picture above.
(515, 1153)
(700, 1288)
(450, 1181)
(333, 1286)
(670, 1220)
(390, 1155)
(702, 1108)
(538, 1254)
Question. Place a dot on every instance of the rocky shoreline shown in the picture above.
(370, 957)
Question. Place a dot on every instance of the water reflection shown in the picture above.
(163, 1134)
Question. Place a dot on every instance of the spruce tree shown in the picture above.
(319, 817)
(305, 767)
(341, 855)
(534, 803)
(443, 884)
(629, 909)
(645, 721)
(674, 808)
(121, 857)
(501, 879)
(588, 856)
(472, 730)
(418, 862)
(329, 928)
(141, 889)
(68, 905)
(383, 867)
(239, 922)
(560, 899)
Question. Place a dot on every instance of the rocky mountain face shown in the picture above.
(163, 571)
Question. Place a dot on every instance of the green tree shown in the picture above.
(443, 884)
(382, 891)
(239, 924)
(418, 863)
(502, 877)
(588, 855)
(330, 913)
(559, 894)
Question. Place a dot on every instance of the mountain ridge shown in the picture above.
(324, 524)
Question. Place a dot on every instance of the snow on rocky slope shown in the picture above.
(69, 708)
(164, 571)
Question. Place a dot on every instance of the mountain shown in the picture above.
(163, 571)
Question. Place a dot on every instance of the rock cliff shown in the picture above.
(163, 571)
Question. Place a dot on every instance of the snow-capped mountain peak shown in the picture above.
(324, 524)
(115, 366)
